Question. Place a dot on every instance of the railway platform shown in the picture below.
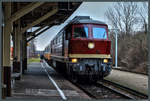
(41, 81)
(137, 82)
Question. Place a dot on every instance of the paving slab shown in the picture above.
(35, 84)
(134, 81)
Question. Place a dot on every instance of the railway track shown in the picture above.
(129, 93)
(108, 90)
(97, 91)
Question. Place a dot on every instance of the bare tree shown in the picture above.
(143, 12)
(123, 16)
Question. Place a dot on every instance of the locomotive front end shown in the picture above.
(89, 51)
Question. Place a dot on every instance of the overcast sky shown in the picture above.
(96, 10)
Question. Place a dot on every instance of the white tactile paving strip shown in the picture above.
(55, 84)
(47, 92)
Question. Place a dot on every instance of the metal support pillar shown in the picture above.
(6, 51)
(18, 38)
(24, 57)
(116, 49)
(21, 56)
(19, 50)
(16, 60)
(1, 51)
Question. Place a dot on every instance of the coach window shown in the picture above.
(60, 39)
(57, 40)
(54, 42)
(80, 32)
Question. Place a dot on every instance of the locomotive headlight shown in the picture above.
(74, 60)
(91, 45)
(105, 60)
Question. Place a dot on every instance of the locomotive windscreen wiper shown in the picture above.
(104, 34)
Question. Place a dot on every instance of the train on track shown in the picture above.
(81, 50)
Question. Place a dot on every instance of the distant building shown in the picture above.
(31, 49)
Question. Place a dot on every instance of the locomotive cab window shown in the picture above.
(80, 32)
(99, 33)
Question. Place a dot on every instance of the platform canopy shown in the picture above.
(40, 14)
(18, 18)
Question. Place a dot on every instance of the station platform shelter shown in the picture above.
(17, 19)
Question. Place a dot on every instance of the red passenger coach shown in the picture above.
(82, 49)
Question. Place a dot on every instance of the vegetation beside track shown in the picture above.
(133, 52)
(131, 21)
(30, 60)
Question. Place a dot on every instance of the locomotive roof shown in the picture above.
(85, 19)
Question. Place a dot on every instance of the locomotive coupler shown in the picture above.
(89, 68)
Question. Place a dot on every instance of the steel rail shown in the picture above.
(118, 89)
(78, 85)
(84, 90)
(90, 94)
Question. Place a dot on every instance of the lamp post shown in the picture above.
(116, 46)
(116, 49)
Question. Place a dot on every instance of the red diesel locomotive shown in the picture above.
(82, 49)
